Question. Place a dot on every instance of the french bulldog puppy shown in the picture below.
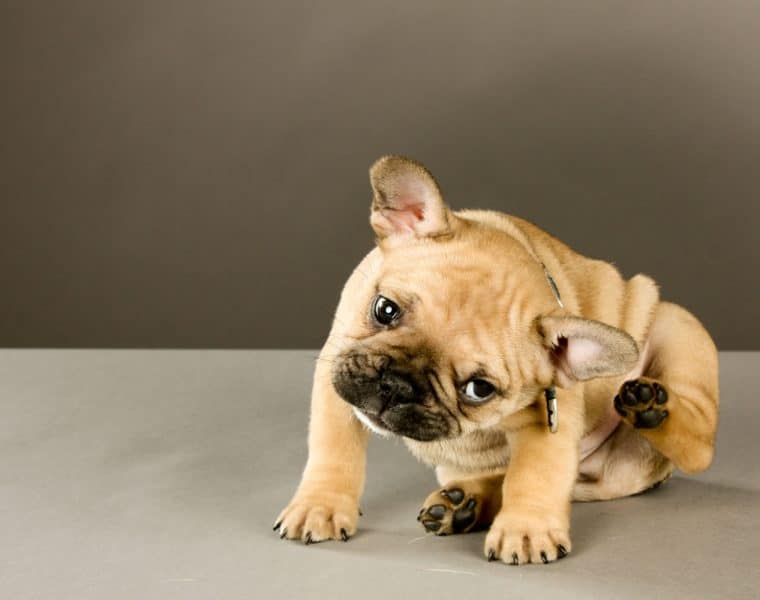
(526, 374)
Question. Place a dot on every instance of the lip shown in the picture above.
(376, 420)
(373, 422)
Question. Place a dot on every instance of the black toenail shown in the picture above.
(361, 514)
(343, 535)
(515, 559)
(455, 495)
(277, 526)
(419, 514)
(491, 555)
(308, 540)
(283, 533)
(431, 525)
(630, 398)
(437, 511)
(561, 551)
(544, 558)
(644, 392)
(471, 503)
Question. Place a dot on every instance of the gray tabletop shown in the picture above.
(157, 474)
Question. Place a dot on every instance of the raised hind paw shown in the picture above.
(643, 403)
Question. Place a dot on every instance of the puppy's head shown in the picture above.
(458, 327)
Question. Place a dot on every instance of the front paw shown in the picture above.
(518, 537)
(316, 516)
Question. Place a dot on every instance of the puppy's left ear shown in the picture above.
(582, 349)
(406, 200)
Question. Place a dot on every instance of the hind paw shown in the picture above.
(643, 403)
(450, 510)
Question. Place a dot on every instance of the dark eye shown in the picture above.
(385, 311)
(478, 390)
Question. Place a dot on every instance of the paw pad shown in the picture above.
(453, 515)
(642, 403)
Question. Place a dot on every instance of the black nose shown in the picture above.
(395, 388)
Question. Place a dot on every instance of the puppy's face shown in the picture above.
(459, 327)
(444, 342)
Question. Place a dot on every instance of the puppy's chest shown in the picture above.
(486, 449)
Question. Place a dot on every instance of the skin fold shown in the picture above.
(636, 378)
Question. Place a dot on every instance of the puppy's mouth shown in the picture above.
(390, 400)
(414, 422)
(372, 422)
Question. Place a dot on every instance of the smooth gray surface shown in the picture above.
(194, 173)
(157, 474)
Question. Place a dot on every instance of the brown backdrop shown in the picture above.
(194, 173)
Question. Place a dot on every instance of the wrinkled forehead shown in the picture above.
(455, 273)
(443, 286)
(450, 297)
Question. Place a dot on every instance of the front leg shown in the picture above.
(326, 503)
(533, 524)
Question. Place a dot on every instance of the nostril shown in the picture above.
(386, 387)
(393, 386)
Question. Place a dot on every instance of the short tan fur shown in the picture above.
(636, 378)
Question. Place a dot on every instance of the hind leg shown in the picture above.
(466, 502)
(674, 405)
(626, 464)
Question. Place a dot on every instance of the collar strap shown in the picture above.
(553, 285)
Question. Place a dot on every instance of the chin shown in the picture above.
(371, 425)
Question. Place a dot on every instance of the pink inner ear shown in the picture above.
(416, 209)
(573, 355)
(405, 215)
(582, 351)
(399, 221)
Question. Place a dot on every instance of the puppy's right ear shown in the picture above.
(407, 200)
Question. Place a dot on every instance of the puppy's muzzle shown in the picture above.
(375, 392)
(390, 397)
